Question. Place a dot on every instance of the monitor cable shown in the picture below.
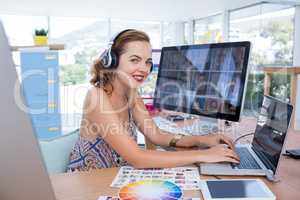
(242, 136)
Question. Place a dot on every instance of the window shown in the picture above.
(20, 29)
(270, 29)
(187, 31)
(169, 33)
(208, 30)
(84, 39)
(150, 27)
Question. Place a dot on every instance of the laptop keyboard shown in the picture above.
(246, 159)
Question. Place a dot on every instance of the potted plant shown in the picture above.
(40, 37)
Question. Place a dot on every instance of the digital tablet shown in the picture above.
(237, 189)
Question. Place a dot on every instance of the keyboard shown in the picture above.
(196, 128)
(200, 128)
(246, 159)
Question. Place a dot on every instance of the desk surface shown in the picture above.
(90, 185)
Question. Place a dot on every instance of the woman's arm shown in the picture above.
(162, 138)
(102, 119)
(162, 159)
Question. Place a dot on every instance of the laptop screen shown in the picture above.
(271, 129)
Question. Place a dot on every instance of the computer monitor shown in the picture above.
(23, 174)
(207, 79)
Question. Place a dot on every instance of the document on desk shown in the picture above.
(117, 198)
(187, 178)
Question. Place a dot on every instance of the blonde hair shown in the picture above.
(103, 77)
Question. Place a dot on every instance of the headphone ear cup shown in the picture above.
(105, 59)
(114, 60)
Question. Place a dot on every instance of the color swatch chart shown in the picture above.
(117, 198)
(150, 190)
(187, 178)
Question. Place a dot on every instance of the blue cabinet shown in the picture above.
(40, 85)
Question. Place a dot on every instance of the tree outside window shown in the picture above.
(270, 28)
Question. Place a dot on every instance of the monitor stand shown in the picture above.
(200, 126)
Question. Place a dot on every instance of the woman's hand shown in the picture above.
(218, 153)
(215, 139)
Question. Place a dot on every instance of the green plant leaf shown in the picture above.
(41, 32)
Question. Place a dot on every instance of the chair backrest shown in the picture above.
(56, 151)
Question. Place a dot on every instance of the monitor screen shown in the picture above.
(207, 80)
(271, 129)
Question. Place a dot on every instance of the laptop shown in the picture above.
(262, 156)
(23, 174)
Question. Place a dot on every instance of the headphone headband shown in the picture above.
(116, 36)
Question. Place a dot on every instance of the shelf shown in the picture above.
(50, 46)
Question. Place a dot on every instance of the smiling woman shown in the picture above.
(113, 110)
(129, 44)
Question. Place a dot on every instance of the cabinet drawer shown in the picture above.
(39, 120)
(36, 97)
(38, 89)
(39, 59)
(44, 107)
(40, 95)
(49, 75)
(47, 132)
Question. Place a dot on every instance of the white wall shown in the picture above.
(167, 10)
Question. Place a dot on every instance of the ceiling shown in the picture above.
(161, 10)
